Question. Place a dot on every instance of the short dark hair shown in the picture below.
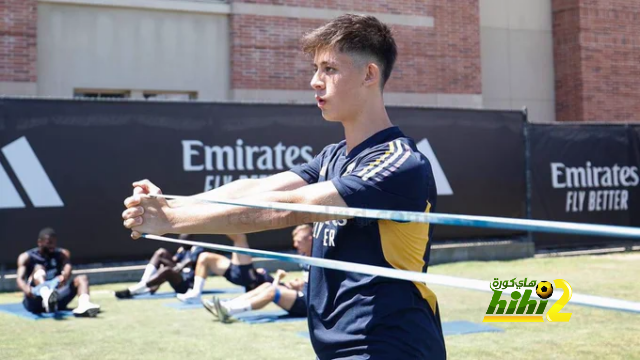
(47, 232)
(360, 34)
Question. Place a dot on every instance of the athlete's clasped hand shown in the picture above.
(146, 213)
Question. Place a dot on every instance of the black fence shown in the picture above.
(69, 164)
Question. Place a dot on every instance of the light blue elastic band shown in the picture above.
(276, 298)
(436, 218)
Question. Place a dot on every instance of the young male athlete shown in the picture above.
(44, 276)
(238, 270)
(351, 315)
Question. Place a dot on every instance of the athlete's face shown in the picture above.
(338, 82)
(47, 244)
(302, 241)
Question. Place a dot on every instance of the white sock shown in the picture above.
(139, 288)
(148, 273)
(40, 275)
(45, 291)
(198, 284)
(236, 306)
(83, 299)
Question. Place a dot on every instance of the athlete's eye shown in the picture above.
(329, 69)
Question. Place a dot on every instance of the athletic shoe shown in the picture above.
(49, 299)
(189, 297)
(88, 309)
(210, 306)
(124, 294)
(223, 315)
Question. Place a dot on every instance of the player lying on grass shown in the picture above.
(290, 296)
(238, 270)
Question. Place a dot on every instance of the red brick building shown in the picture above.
(597, 59)
(570, 60)
(18, 53)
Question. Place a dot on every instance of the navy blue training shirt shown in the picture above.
(52, 262)
(188, 273)
(356, 316)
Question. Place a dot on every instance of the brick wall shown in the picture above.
(443, 59)
(597, 59)
(407, 7)
(566, 49)
(18, 21)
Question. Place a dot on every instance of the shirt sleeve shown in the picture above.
(392, 177)
(195, 253)
(180, 256)
(310, 172)
(64, 260)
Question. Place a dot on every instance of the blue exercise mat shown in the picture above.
(261, 317)
(171, 295)
(450, 328)
(18, 309)
(250, 317)
(185, 305)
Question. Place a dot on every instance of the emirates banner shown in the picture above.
(587, 174)
(69, 164)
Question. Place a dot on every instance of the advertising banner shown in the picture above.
(587, 174)
(69, 164)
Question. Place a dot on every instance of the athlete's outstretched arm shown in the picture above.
(156, 216)
(283, 181)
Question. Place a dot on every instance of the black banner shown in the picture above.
(587, 174)
(70, 164)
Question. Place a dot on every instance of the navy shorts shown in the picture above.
(65, 295)
(185, 284)
(182, 287)
(299, 307)
(246, 275)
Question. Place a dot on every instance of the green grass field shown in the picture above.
(146, 329)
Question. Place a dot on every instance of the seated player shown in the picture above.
(238, 270)
(290, 296)
(176, 269)
(44, 276)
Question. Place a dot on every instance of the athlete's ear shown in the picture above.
(372, 76)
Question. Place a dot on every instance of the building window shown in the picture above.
(101, 94)
(170, 95)
(136, 94)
